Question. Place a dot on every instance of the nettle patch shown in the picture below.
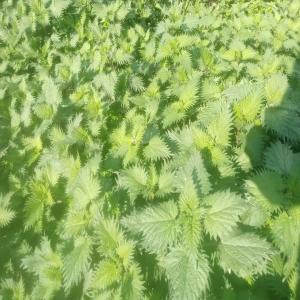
(149, 149)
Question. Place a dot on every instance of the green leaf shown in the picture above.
(157, 225)
(190, 216)
(75, 223)
(121, 57)
(222, 215)
(210, 90)
(172, 114)
(107, 82)
(279, 158)
(85, 189)
(6, 216)
(216, 117)
(58, 6)
(195, 167)
(183, 139)
(34, 209)
(230, 55)
(188, 274)
(286, 233)
(244, 254)
(249, 54)
(76, 263)
(109, 236)
(166, 183)
(45, 264)
(276, 87)
(133, 180)
(247, 109)
(136, 83)
(243, 90)
(107, 273)
(133, 284)
(285, 121)
(254, 214)
(50, 93)
(267, 190)
(250, 154)
(156, 149)
(188, 93)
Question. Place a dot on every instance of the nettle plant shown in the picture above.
(149, 149)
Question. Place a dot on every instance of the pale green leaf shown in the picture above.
(133, 180)
(244, 254)
(6, 216)
(133, 284)
(157, 149)
(222, 215)
(276, 87)
(76, 262)
(188, 275)
(157, 225)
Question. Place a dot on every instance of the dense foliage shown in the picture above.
(149, 149)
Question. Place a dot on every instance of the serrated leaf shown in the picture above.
(188, 275)
(58, 6)
(244, 254)
(190, 216)
(85, 189)
(276, 87)
(217, 118)
(51, 93)
(133, 284)
(109, 236)
(107, 273)
(107, 82)
(34, 209)
(133, 180)
(166, 183)
(284, 121)
(279, 158)
(6, 216)
(222, 215)
(156, 149)
(76, 263)
(286, 234)
(157, 225)
(267, 190)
